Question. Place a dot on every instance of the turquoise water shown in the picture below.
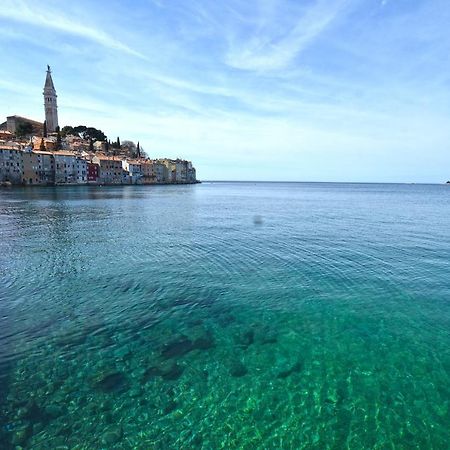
(225, 315)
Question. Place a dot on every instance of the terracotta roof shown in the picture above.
(64, 153)
(39, 152)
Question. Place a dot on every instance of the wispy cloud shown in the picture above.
(36, 15)
(274, 45)
(339, 88)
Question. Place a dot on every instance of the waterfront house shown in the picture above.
(38, 168)
(191, 173)
(82, 175)
(11, 164)
(170, 170)
(160, 171)
(111, 170)
(66, 167)
(134, 169)
(93, 172)
(30, 168)
(148, 172)
(181, 171)
(184, 171)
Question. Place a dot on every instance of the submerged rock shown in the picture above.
(38, 427)
(196, 322)
(21, 413)
(226, 319)
(31, 411)
(204, 342)
(112, 435)
(246, 339)
(238, 369)
(269, 337)
(177, 348)
(181, 347)
(297, 367)
(171, 405)
(21, 435)
(151, 373)
(173, 373)
(111, 382)
(53, 411)
(166, 372)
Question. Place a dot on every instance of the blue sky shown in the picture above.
(315, 90)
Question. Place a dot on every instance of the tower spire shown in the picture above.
(51, 107)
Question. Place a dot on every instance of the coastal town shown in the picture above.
(35, 153)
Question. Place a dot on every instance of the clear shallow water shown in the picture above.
(168, 317)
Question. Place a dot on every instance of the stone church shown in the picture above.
(51, 111)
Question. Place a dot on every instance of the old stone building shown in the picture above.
(11, 164)
(38, 168)
(13, 122)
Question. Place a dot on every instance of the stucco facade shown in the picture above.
(11, 165)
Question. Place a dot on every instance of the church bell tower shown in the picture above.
(51, 108)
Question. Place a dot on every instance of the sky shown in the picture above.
(279, 90)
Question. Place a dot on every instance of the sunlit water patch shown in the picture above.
(225, 315)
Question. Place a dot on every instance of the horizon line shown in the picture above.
(327, 182)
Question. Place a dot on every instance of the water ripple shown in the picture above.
(170, 318)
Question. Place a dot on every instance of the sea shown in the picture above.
(225, 315)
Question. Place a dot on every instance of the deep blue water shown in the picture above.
(225, 315)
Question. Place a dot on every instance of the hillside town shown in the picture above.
(35, 153)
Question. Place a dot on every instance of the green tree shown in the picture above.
(85, 132)
(45, 129)
(91, 145)
(67, 130)
(42, 146)
(93, 133)
(80, 129)
(138, 150)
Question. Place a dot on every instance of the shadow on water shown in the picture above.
(71, 193)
